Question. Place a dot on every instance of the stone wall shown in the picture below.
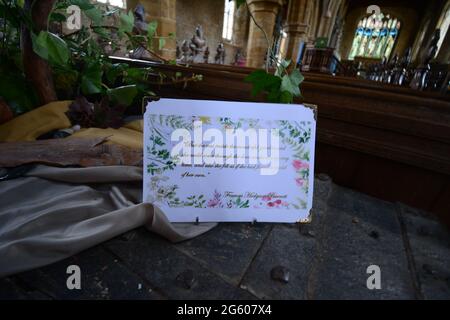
(209, 14)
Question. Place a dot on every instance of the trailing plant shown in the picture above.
(79, 60)
(281, 86)
(17, 92)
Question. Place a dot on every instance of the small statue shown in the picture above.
(140, 28)
(197, 45)
(220, 55)
(185, 55)
(237, 57)
(178, 52)
(206, 55)
(194, 51)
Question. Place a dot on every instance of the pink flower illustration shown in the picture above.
(270, 204)
(266, 198)
(278, 202)
(300, 182)
(298, 165)
(215, 201)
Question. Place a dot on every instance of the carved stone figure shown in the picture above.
(194, 51)
(140, 28)
(237, 57)
(185, 56)
(220, 54)
(198, 45)
(178, 52)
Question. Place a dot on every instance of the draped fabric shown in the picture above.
(53, 213)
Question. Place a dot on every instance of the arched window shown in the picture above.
(228, 18)
(116, 3)
(443, 25)
(375, 37)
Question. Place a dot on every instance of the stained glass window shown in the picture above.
(375, 37)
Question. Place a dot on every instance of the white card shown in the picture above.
(229, 161)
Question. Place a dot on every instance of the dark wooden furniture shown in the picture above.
(318, 59)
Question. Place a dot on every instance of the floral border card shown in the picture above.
(229, 161)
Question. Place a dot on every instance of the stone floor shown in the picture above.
(326, 259)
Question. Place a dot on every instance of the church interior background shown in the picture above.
(379, 74)
(398, 36)
(343, 48)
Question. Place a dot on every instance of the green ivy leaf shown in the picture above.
(297, 77)
(286, 97)
(123, 95)
(162, 43)
(51, 47)
(95, 15)
(274, 95)
(151, 29)
(282, 67)
(135, 75)
(58, 17)
(102, 32)
(126, 22)
(114, 71)
(263, 81)
(40, 44)
(91, 80)
(291, 83)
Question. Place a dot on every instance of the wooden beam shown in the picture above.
(68, 152)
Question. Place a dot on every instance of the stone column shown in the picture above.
(296, 27)
(264, 12)
(240, 27)
(163, 11)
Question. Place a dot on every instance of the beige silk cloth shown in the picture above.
(52, 213)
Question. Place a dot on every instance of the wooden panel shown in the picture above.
(385, 179)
